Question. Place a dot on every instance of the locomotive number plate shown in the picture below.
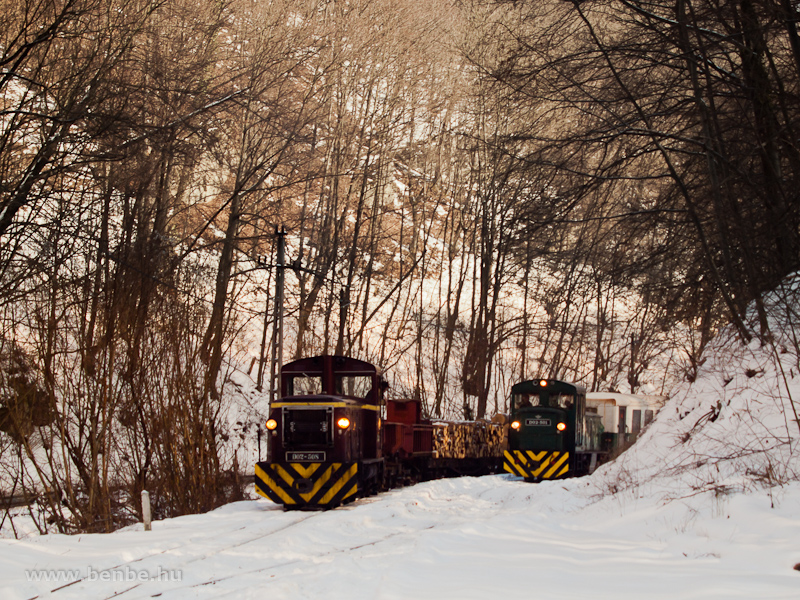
(305, 457)
(537, 422)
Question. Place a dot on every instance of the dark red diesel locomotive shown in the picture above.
(328, 443)
(324, 443)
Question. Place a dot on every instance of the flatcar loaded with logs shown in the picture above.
(329, 443)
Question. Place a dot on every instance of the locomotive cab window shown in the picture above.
(543, 399)
(525, 400)
(562, 400)
(305, 385)
(355, 386)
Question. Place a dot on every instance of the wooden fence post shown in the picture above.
(146, 510)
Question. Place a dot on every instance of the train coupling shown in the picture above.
(303, 486)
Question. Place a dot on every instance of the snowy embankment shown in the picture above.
(734, 429)
(705, 505)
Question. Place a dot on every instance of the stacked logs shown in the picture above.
(473, 439)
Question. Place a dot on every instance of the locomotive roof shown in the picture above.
(340, 363)
(534, 386)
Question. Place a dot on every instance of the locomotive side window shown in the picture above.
(636, 421)
(356, 386)
(305, 385)
(580, 419)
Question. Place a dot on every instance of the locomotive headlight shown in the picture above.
(343, 423)
(272, 424)
(515, 425)
(561, 426)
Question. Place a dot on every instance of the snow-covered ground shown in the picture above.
(705, 505)
(489, 537)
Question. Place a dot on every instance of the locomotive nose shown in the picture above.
(303, 486)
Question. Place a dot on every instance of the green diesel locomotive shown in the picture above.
(552, 435)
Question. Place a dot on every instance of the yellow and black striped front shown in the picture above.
(532, 464)
(311, 485)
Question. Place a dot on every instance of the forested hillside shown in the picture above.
(472, 193)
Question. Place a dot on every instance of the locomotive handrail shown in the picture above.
(347, 402)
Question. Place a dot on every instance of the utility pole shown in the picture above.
(262, 353)
(633, 378)
(277, 330)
